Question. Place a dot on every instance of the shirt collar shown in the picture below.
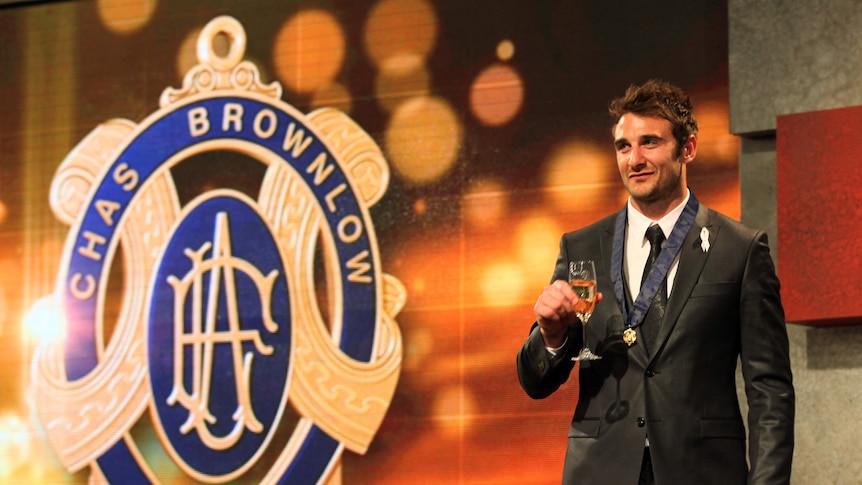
(638, 223)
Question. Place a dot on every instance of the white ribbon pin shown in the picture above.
(704, 239)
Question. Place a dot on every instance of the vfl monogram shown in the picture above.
(204, 336)
(216, 329)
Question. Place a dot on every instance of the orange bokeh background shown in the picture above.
(492, 119)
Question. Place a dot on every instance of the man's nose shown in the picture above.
(635, 157)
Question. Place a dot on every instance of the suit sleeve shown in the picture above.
(765, 358)
(539, 372)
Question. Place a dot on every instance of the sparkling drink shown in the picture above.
(586, 291)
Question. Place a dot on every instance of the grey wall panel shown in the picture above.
(791, 57)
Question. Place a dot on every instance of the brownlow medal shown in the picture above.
(630, 336)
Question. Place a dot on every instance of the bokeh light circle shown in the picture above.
(15, 444)
(505, 50)
(503, 284)
(580, 167)
(496, 95)
(125, 16)
(309, 50)
(45, 321)
(423, 139)
(454, 409)
(537, 242)
(418, 347)
(399, 27)
(484, 203)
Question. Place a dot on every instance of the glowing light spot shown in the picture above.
(15, 442)
(502, 284)
(332, 95)
(484, 203)
(582, 169)
(505, 50)
(496, 95)
(398, 27)
(45, 321)
(4, 212)
(454, 410)
(125, 16)
(418, 285)
(309, 50)
(420, 207)
(401, 78)
(423, 138)
(418, 345)
(537, 242)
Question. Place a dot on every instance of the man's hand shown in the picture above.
(555, 312)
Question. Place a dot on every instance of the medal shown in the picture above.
(630, 336)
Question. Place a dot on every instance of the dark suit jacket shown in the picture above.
(724, 305)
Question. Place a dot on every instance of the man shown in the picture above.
(661, 405)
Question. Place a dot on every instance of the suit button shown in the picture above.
(641, 422)
(650, 373)
(542, 365)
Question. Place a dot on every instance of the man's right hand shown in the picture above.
(555, 312)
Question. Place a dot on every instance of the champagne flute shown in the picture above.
(582, 279)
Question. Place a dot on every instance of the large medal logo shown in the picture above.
(250, 333)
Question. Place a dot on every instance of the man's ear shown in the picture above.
(689, 150)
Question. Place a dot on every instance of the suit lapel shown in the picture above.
(692, 259)
(607, 249)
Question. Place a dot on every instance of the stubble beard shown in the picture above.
(660, 191)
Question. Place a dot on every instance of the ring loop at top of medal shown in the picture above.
(236, 40)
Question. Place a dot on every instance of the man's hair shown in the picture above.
(660, 99)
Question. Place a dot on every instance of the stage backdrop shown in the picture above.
(299, 242)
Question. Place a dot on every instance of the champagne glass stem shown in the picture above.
(584, 334)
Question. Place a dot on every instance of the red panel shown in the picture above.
(819, 177)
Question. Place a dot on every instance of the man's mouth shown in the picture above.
(640, 175)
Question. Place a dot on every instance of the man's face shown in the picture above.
(647, 158)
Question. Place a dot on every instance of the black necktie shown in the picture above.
(652, 320)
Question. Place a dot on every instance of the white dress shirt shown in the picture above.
(637, 246)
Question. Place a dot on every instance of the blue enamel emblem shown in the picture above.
(219, 336)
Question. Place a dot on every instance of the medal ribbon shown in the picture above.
(659, 269)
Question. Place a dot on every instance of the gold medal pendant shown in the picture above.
(630, 336)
